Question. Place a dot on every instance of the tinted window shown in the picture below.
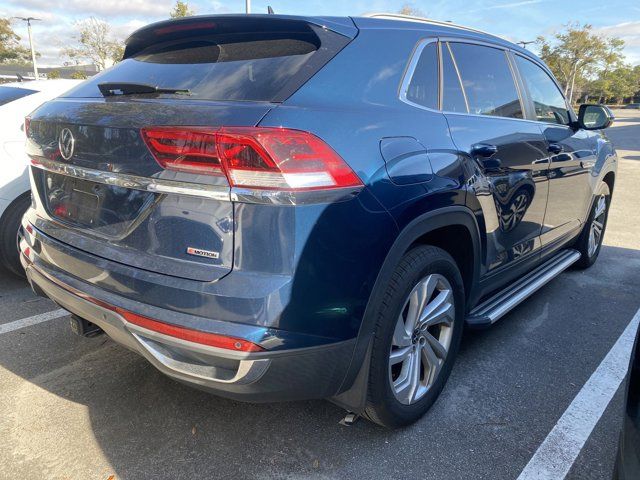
(423, 88)
(487, 80)
(9, 94)
(548, 101)
(452, 95)
(232, 66)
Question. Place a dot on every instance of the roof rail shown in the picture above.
(410, 18)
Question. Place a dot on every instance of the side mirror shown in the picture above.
(594, 117)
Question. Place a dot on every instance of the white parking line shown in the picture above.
(558, 452)
(27, 322)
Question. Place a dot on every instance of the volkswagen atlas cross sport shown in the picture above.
(276, 208)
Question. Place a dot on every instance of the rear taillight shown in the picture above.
(184, 150)
(252, 157)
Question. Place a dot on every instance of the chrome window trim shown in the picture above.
(505, 51)
(546, 70)
(459, 77)
(212, 192)
(415, 57)
(411, 69)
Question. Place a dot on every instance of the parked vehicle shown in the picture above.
(627, 466)
(632, 106)
(16, 101)
(276, 208)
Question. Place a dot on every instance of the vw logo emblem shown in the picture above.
(66, 143)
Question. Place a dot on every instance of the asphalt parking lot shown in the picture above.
(76, 408)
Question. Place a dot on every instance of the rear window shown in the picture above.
(453, 99)
(248, 66)
(9, 94)
(423, 87)
(487, 80)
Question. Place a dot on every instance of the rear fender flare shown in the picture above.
(354, 387)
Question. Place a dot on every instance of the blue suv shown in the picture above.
(275, 208)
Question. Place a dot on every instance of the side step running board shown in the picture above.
(493, 308)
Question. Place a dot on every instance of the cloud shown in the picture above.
(110, 8)
(57, 30)
(514, 4)
(507, 6)
(630, 33)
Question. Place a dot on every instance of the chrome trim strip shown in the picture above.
(221, 193)
(155, 185)
(410, 71)
(500, 304)
(415, 57)
(248, 370)
(280, 197)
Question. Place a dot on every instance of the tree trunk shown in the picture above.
(573, 80)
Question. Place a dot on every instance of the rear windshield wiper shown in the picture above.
(108, 89)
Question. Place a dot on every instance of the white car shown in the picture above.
(17, 100)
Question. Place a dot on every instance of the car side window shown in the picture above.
(452, 95)
(549, 103)
(423, 87)
(487, 80)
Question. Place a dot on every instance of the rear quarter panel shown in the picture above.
(353, 103)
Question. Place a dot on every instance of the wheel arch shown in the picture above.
(13, 203)
(438, 228)
(610, 180)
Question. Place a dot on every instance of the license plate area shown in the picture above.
(102, 209)
(75, 201)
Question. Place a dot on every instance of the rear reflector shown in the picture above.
(187, 334)
(195, 336)
(252, 157)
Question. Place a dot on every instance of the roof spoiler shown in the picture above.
(169, 30)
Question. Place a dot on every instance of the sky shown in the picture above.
(517, 20)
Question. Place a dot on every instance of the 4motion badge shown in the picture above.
(202, 253)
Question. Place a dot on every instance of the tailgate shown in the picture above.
(112, 199)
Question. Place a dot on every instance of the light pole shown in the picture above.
(33, 50)
(247, 4)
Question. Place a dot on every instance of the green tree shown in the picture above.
(118, 53)
(577, 55)
(10, 48)
(53, 74)
(624, 84)
(181, 9)
(78, 75)
(95, 44)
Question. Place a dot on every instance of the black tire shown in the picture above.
(382, 405)
(582, 243)
(9, 225)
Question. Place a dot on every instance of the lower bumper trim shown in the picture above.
(315, 372)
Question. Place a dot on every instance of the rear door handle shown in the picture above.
(555, 148)
(483, 150)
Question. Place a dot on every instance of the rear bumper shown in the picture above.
(266, 376)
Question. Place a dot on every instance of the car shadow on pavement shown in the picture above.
(94, 397)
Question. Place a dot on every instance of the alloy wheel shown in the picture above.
(421, 338)
(596, 229)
